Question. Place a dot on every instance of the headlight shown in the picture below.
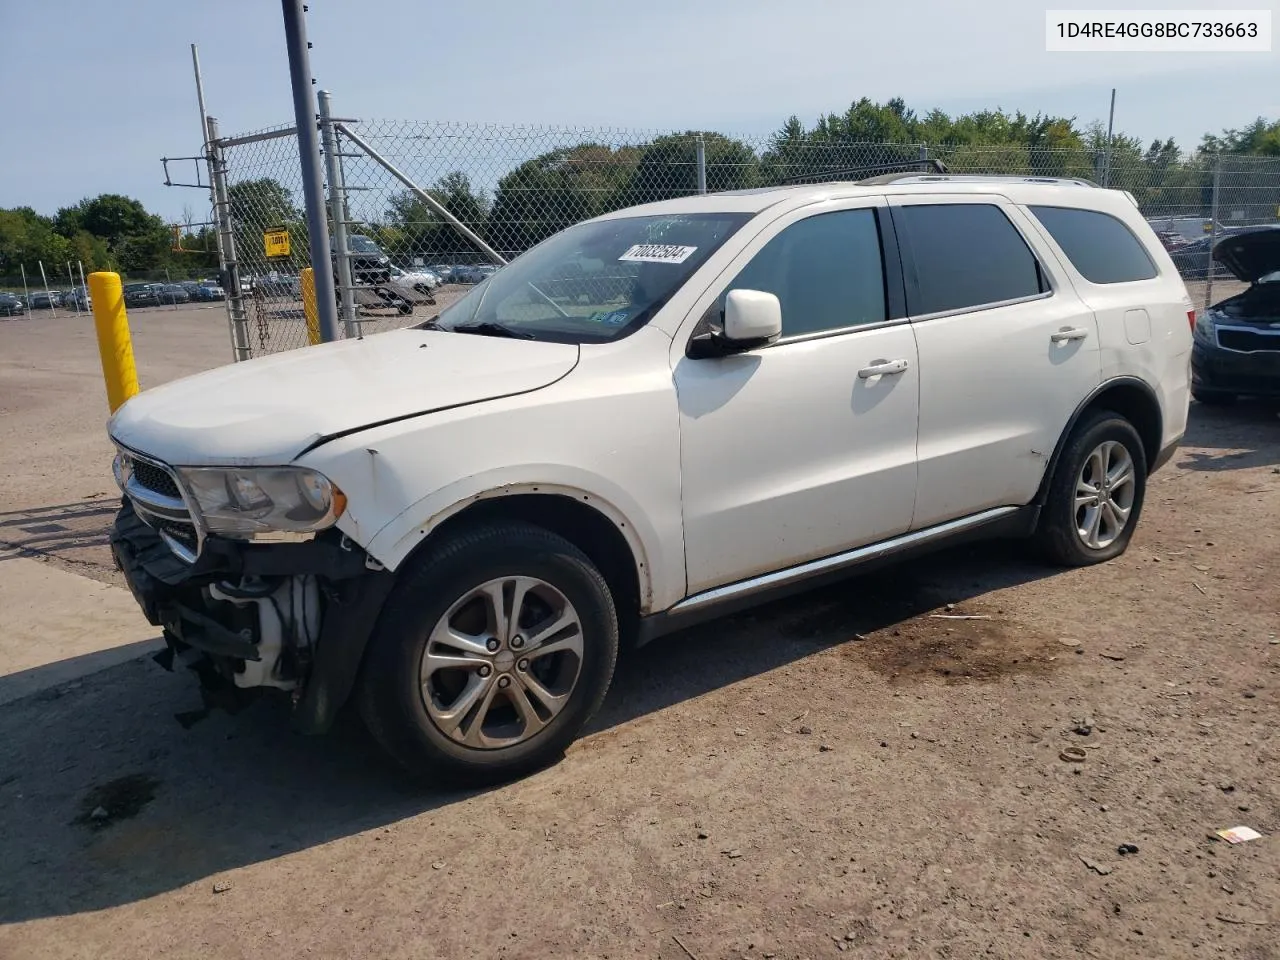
(1203, 330)
(246, 502)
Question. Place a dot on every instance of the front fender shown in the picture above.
(660, 563)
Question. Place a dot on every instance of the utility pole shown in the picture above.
(304, 109)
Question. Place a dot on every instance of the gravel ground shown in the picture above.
(841, 774)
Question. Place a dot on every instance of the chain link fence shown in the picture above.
(481, 194)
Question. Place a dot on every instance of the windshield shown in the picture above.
(594, 282)
(359, 244)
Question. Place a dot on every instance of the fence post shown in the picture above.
(47, 293)
(115, 348)
(701, 151)
(1213, 228)
(304, 110)
(923, 155)
(237, 316)
(338, 213)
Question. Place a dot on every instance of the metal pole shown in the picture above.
(421, 194)
(295, 35)
(338, 214)
(237, 317)
(204, 123)
(923, 156)
(1213, 229)
(1111, 122)
(701, 147)
(46, 289)
(75, 299)
(26, 294)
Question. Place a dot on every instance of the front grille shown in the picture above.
(1247, 341)
(155, 479)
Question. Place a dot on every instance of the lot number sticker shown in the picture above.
(657, 253)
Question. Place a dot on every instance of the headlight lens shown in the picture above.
(246, 502)
(1203, 329)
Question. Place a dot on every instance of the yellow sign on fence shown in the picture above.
(276, 243)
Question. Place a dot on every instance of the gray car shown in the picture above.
(11, 306)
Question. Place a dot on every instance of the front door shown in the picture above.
(806, 447)
(1007, 352)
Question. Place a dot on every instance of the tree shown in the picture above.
(668, 167)
(548, 193)
(413, 228)
(1260, 137)
(27, 239)
(260, 205)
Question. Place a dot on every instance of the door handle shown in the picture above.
(882, 368)
(1069, 333)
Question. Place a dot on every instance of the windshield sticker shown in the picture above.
(657, 253)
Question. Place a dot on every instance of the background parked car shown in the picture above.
(77, 299)
(141, 294)
(173, 293)
(419, 280)
(43, 300)
(11, 305)
(1192, 259)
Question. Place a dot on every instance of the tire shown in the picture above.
(490, 742)
(1059, 535)
(1213, 398)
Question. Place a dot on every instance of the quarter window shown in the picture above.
(1099, 245)
(827, 272)
(966, 255)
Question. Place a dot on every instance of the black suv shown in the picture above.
(370, 266)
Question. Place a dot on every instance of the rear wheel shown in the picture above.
(492, 653)
(1096, 494)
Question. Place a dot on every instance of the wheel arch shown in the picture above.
(611, 537)
(1132, 398)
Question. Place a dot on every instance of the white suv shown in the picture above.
(650, 418)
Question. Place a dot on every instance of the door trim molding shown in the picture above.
(998, 521)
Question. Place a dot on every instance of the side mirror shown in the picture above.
(752, 318)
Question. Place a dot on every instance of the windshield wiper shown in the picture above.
(488, 328)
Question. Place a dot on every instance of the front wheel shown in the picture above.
(492, 653)
(1096, 494)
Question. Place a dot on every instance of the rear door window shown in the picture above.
(965, 255)
(1099, 245)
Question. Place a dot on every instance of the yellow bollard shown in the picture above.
(309, 308)
(114, 346)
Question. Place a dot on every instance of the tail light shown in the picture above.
(1191, 318)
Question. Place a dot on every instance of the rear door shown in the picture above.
(1007, 351)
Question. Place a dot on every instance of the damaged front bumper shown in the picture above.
(294, 616)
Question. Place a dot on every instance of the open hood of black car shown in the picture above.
(1250, 254)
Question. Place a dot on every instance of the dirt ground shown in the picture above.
(841, 774)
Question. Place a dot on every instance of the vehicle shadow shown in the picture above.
(61, 529)
(121, 786)
(1248, 432)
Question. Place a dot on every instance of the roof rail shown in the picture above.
(833, 176)
(973, 178)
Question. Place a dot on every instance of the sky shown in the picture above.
(92, 94)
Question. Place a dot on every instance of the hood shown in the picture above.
(270, 409)
(1251, 254)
